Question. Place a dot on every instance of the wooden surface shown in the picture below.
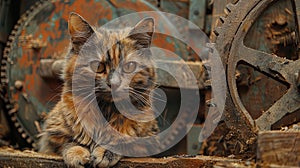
(279, 147)
(12, 158)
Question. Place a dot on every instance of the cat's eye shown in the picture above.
(97, 67)
(129, 67)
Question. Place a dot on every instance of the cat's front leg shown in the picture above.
(75, 156)
(104, 158)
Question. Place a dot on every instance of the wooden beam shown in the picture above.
(13, 158)
(278, 147)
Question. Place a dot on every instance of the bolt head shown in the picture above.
(19, 85)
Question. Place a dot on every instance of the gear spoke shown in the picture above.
(265, 62)
(297, 4)
(288, 103)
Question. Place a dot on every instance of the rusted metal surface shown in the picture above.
(258, 44)
(50, 68)
(41, 36)
(178, 7)
(274, 66)
(218, 12)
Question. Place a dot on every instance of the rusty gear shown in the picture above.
(249, 41)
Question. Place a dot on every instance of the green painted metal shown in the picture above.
(197, 12)
(193, 146)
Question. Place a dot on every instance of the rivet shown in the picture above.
(19, 85)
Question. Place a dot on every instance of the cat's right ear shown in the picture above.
(79, 29)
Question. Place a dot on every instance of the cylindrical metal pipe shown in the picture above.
(50, 68)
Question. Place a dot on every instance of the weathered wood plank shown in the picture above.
(278, 147)
(13, 158)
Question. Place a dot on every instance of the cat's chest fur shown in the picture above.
(62, 126)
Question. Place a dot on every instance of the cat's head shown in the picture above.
(119, 61)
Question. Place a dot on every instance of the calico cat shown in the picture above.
(62, 132)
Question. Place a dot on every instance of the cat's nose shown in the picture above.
(113, 80)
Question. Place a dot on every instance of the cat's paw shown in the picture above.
(104, 158)
(76, 156)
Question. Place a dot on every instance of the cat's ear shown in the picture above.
(79, 29)
(143, 32)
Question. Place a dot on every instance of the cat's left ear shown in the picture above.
(79, 29)
(143, 32)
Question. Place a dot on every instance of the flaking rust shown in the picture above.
(40, 40)
(259, 47)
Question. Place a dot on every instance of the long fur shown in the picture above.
(63, 134)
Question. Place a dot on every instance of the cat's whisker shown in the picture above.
(86, 97)
(153, 97)
(141, 98)
(75, 90)
(156, 111)
(52, 98)
(91, 101)
(148, 89)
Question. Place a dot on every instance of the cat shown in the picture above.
(62, 133)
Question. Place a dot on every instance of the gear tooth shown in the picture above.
(217, 31)
(8, 42)
(3, 75)
(235, 1)
(11, 38)
(18, 23)
(13, 118)
(29, 140)
(3, 80)
(20, 130)
(230, 7)
(16, 26)
(23, 135)
(226, 12)
(17, 124)
(222, 19)
(12, 111)
(31, 8)
(6, 51)
(14, 32)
